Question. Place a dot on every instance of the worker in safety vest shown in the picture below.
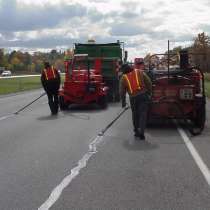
(50, 79)
(139, 87)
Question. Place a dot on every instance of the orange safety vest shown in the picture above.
(50, 74)
(133, 82)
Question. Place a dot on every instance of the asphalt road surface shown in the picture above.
(65, 162)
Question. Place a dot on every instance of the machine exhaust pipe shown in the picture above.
(184, 59)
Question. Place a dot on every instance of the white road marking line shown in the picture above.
(197, 158)
(6, 117)
(56, 193)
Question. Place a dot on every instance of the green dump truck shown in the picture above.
(112, 54)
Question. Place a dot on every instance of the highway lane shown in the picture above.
(128, 174)
(202, 143)
(38, 151)
(13, 102)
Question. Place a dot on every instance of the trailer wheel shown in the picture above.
(102, 102)
(63, 105)
(200, 119)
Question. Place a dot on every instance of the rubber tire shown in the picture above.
(102, 102)
(200, 119)
(62, 104)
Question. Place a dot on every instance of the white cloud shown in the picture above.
(143, 25)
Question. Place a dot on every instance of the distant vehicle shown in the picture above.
(2, 69)
(6, 73)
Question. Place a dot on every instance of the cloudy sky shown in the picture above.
(144, 25)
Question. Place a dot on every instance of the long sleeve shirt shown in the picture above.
(124, 86)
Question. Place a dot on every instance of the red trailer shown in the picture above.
(83, 82)
(179, 93)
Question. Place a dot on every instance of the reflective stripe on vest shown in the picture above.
(53, 70)
(133, 81)
(50, 74)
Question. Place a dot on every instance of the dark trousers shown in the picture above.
(51, 87)
(139, 107)
(53, 102)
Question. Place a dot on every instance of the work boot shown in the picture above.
(142, 137)
(55, 112)
(54, 109)
(137, 134)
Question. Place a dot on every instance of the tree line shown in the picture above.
(24, 62)
(201, 49)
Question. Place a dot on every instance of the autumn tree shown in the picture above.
(201, 49)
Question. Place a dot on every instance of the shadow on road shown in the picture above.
(160, 124)
(65, 114)
(90, 108)
(138, 145)
(79, 111)
(48, 117)
(76, 115)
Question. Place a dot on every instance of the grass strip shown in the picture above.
(14, 85)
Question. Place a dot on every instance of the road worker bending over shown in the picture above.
(139, 87)
(50, 79)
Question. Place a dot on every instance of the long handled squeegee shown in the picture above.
(113, 121)
(30, 103)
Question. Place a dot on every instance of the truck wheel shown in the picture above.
(200, 119)
(102, 102)
(63, 105)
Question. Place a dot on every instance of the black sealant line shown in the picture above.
(43, 94)
(113, 121)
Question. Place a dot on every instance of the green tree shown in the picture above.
(201, 49)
